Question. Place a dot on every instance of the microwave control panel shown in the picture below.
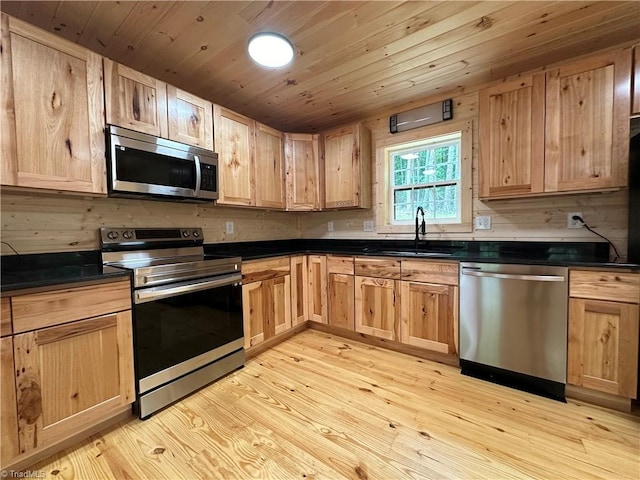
(208, 179)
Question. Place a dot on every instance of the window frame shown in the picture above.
(384, 188)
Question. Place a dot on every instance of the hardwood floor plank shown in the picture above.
(319, 406)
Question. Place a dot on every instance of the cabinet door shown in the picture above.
(269, 167)
(318, 288)
(52, 112)
(346, 155)
(266, 309)
(303, 175)
(603, 346)
(341, 300)
(587, 124)
(234, 142)
(135, 100)
(9, 418)
(377, 307)
(511, 127)
(71, 376)
(429, 316)
(299, 290)
(190, 118)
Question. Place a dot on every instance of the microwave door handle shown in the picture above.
(196, 159)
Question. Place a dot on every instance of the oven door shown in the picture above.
(184, 326)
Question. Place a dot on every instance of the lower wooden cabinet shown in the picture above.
(317, 288)
(340, 292)
(71, 376)
(9, 419)
(603, 331)
(377, 311)
(429, 315)
(266, 299)
(64, 372)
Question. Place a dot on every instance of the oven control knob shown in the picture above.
(126, 235)
(185, 233)
(196, 233)
(112, 235)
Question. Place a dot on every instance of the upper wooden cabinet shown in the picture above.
(270, 167)
(52, 116)
(302, 171)
(635, 107)
(584, 143)
(511, 128)
(234, 136)
(603, 331)
(145, 104)
(346, 156)
(190, 118)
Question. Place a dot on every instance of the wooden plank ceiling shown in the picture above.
(353, 58)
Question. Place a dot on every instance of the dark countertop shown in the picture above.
(22, 272)
(58, 269)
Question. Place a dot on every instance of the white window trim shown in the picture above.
(383, 212)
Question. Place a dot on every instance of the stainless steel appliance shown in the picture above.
(513, 325)
(140, 165)
(187, 312)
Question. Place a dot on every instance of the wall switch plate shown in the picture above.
(571, 223)
(483, 222)
(367, 226)
(228, 228)
(329, 226)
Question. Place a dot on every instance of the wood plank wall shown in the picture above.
(535, 219)
(37, 223)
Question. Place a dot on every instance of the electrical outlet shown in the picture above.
(329, 226)
(367, 226)
(483, 222)
(571, 223)
(228, 228)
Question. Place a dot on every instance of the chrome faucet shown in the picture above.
(420, 227)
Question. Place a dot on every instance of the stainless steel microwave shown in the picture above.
(141, 165)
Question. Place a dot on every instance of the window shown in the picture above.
(428, 167)
(426, 174)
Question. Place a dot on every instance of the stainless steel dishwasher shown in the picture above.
(513, 325)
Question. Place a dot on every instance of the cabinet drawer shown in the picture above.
(39, 310)
(343, 265)
(5, 317)
(377, 267)
(445, 273)
(265, 269)
(615, 286)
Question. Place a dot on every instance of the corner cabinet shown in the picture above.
(317, 278)
(603, 331)
(70, 363)
(302, 172)
(341, 292)
(52, 116)
(346, 156)
(234, 136)
(560, 132)
(266, 299)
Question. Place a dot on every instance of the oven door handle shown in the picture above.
(166, 291)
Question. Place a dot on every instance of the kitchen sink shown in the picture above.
(410, 253)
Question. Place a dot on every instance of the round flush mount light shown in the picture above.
(270, 49)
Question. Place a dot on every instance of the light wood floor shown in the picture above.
(318, 406)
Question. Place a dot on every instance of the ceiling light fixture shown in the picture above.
(270, 49)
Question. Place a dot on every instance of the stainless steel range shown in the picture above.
(187, 313)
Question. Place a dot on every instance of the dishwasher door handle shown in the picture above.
(513, 276)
